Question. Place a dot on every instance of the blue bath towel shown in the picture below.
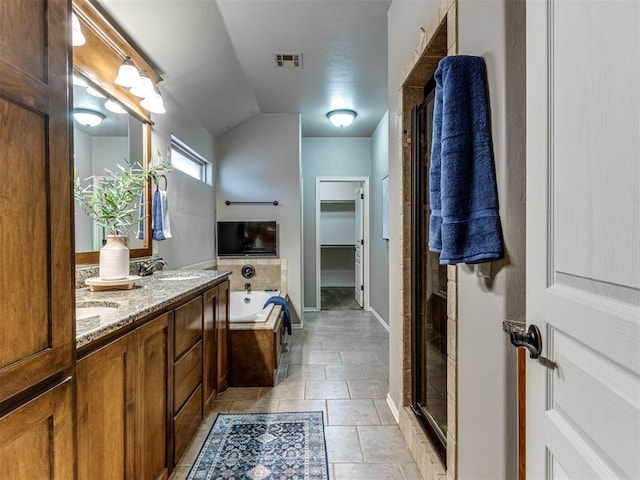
(464, 226)
(285, 308)
(160, 228)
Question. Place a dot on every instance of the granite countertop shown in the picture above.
(149, 295)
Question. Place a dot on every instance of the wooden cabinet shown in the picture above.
(222, 336)
(255, 355)
(123, 405)
(153, 419)
(215, 340)
(210, 352)
(36, 334)
(106, 411)
(187, 386)
(36, 439)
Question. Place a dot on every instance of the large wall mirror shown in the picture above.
(125, 128)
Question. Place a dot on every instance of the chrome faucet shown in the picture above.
(147, 267)
(247, 287)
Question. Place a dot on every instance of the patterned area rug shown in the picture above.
(263, 446)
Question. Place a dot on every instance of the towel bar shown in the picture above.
(227, 202)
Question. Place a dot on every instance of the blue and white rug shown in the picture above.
(263, 446)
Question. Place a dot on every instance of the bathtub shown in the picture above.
(245, 307)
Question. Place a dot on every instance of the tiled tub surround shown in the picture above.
(151, 294)
(270, 273)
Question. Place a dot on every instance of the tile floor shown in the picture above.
(338, 364)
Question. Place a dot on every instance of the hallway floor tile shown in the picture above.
(337, 363)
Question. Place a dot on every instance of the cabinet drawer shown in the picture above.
(186, 422)
(188, 326)
(187, 375)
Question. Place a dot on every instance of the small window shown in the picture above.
(188, 161)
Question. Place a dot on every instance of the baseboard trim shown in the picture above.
(393, 408)
(379, 318)
(309, 309)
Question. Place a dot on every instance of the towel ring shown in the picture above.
(161, 177)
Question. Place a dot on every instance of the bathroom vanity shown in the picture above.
(146, 371)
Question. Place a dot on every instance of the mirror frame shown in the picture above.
(99, 59)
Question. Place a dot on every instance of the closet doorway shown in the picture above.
(342, 243)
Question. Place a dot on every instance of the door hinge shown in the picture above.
(361, 241)
(362, 196)
(362, 287)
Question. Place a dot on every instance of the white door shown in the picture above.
(583, 238)
(359, 295)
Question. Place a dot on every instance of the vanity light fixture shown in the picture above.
(144, 87)
(341, 118)
(79, 81)
(128, 75)
(87, 117)
(77, 37)
(95, 92)
(153, 102)
(114, 107)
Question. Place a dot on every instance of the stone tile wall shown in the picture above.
(437, 41)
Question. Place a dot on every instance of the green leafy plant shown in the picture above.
(113, 200)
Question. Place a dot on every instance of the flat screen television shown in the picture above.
(247, 239)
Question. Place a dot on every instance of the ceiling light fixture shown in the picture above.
(87, 117)
(153, 102)
(128, 75)
(114, 107)
(77, 37)
(341, 118)
(144, 87)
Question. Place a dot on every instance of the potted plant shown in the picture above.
(112, 201)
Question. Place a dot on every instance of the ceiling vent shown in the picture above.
(288, 60)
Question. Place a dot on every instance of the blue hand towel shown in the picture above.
(161, 228)
(285, 308)
(464, 226)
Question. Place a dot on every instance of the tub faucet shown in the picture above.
(247, 288)
(147, 267)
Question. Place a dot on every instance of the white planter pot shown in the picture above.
(114, 258)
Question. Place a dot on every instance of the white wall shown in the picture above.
(260, 161)
(379, 252)
(191, 202)
(326, 157)
(493, 29)
(486, 376)
(82, 161)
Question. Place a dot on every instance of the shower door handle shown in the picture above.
(531, 340)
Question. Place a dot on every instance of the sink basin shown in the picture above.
(176, 276)
(88, 310)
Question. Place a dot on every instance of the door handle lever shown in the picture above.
(531, 340)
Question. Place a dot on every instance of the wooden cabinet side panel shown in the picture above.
(154, 366)
(106, 411)
(209, 356)
(36, 334)
(36, 439)
(222, 337)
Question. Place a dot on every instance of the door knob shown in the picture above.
(531, 340)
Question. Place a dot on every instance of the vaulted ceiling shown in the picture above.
(217, 57)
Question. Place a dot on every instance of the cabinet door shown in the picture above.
(222, 335)
(36, 439)
(106, 409)
(36, 334)
(209, 356)
(153, 416)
